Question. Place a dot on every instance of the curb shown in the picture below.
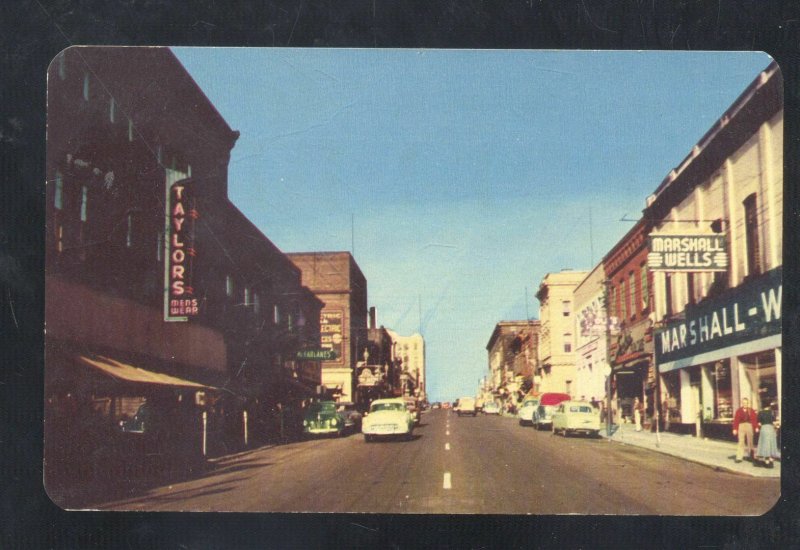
(716, 467)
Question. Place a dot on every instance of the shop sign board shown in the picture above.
(701, 252)
(750, 311)
(180, 302)
(316, 355)
(330, 330)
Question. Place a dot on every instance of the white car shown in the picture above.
(491, 408)
(466, 405)
(527, 410)
(576, 417)
(387, 418)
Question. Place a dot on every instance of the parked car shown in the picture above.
(548, 402)
(527, 410)
(386, 418)
(466, 405)
(573, 417)
(491, 407)
(413, 407)
(323, 417)
(352, 416)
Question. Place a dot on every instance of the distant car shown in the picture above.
(491, 407)
(352, 416)
(446, 405)
(323, 417)
(466, 405)
(573, 417)
(548, 402)
(527, 410)
(387, 418)
(436, 405)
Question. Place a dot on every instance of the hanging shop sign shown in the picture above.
(316, 355)
(750, 311)
(687, 253)
(330, 330)
(180, 302)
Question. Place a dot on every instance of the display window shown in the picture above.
(762, 375)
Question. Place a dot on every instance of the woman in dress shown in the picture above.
(767, 440)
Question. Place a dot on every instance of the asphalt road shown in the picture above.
(481, 465)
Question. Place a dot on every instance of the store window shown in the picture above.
(751, 235)
(762, 377)
(723, 398)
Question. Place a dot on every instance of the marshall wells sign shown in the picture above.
(180, 302)
(748, 312)
(687, 253)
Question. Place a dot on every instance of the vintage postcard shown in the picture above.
(413, 281)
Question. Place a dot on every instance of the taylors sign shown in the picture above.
(180, 302)
(688, 253)
(749, 312)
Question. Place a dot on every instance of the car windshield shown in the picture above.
(322, 407)
(529, 404)
(387, 407)
(581, 409)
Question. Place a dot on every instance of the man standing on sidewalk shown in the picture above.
(745, 425)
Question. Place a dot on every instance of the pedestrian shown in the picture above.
(745, 425)
(665, 407)
(595, 403)
(767, 440)
(638, 408)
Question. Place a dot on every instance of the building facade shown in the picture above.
(336, 279)
(719, 319)
(512, 354)
(629, 287)
(591, 326)
(556, 369)
(157, 288)
(410, 352)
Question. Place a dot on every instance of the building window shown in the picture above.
(568, 343)
(58, 197)
(645, 289)
(228, 285)
(751, 235)
(623, 301)
(276, 314)
(84, 201)
(632, 288)
(246, 296)
(112, 108)
(160, 246)
(668, 293)
(86, 86)
(129, 235)
(567, 305)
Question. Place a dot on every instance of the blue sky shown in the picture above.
(466, 174)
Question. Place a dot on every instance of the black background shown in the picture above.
(32, 32)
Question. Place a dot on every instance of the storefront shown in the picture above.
(723, 350)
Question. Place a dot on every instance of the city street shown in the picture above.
(480, 465)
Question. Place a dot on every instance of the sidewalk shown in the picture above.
(711, 452)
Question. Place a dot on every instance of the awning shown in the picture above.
(129, 373)
(753, 346)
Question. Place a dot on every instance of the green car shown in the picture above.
(323, 418)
